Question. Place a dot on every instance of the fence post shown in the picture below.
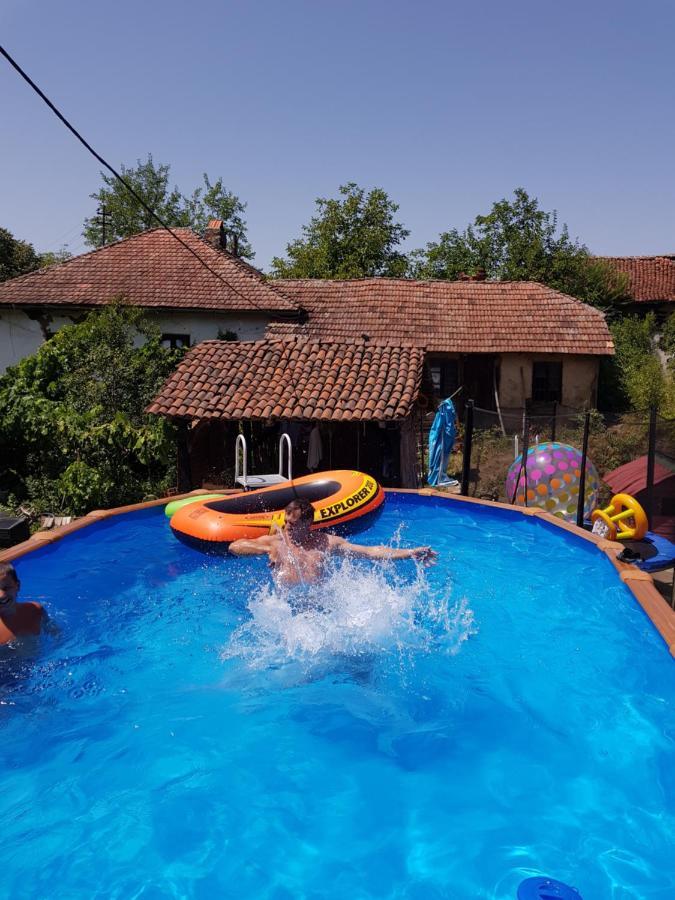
(526, 451)
(582, 478)
(466, 449)
(553, 420)
(651, 459)
(522, 470)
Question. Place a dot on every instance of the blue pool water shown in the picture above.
(445, 734)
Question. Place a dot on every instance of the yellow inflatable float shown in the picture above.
(624, 519)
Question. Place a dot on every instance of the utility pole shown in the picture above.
(104, 217)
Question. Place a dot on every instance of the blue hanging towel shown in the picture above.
(441, 442)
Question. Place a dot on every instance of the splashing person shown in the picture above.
(298, 555)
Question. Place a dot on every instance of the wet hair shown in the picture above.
(7, 568)
(305, 507)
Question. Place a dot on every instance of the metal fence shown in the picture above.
(489, 443)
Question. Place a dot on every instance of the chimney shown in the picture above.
(215, 234)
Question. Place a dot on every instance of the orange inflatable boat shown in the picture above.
(343, 501)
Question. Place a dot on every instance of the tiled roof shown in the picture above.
(652, 278)
(288, 379)
(448, 316)
(150, 269)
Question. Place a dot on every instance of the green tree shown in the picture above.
(16, 257)
(213, 201)
(352, 236)
(635, 378)
(53, 257)
(19, 257)
(125, 216)
(518, 241)
(667, 340)
(73, 432)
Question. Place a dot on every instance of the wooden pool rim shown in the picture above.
(641, 584)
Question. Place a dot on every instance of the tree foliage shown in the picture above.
(125, 216)
(667, 340)
(518, 241)
(635, 378)
(351, 236)
(19, 257)
(73, 434)
(16, 257)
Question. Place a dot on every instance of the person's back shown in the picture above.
(16, 619)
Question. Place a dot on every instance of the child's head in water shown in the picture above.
(9, 587)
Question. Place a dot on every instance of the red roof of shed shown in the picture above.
(631, 478)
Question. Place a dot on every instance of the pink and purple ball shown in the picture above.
(552, 480)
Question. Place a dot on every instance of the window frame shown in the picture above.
(553, 390)
(171, 340)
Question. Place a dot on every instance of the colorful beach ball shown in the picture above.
(552, 483)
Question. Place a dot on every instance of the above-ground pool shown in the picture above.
(194, 732)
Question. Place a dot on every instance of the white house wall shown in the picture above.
(21, 334)
(205, 326)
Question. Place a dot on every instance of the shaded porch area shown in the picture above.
(344, 406)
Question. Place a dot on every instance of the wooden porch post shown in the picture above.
(183, 471)
(408, 453)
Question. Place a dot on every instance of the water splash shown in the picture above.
(357, 610)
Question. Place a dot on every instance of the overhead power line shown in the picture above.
(122, 180)
(139, 199)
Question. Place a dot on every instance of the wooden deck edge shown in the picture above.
(44, 538)
(640, 583)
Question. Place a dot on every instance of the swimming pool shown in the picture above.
(446, 734)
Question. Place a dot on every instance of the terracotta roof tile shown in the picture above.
(651, 278)
(292, 379)
(150, 270)
(447, 316)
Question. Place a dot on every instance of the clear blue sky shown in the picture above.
(446, 105)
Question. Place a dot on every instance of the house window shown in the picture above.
(546, 382)
(444, 376)
(175, 341)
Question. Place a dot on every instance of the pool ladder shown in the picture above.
(248, 482)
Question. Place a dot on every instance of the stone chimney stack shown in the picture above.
(216, 235)
(220, 239)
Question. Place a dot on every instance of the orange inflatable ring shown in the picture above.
(343, 501)
(624, 517)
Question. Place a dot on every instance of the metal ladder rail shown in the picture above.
(285, 439)
(241, 474)
(240, 444)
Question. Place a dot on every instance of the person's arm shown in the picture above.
(380, 551)
(252, 546)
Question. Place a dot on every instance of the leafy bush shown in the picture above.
(667, 341)
(73, 432)
(635, 377)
